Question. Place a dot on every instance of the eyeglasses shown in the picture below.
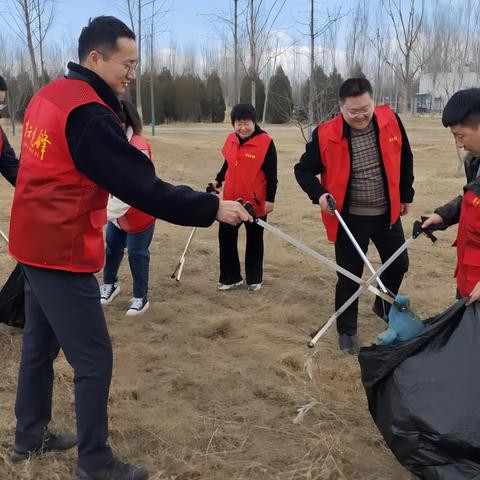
(358, 113)
(243, 123)
(129, 66)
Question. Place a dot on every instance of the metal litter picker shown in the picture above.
(177, 273)
(364, 285)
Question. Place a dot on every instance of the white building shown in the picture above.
(436, 88)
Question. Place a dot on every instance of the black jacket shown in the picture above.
(8, 160)
(310, 165)
(101, 151)
(450, 212)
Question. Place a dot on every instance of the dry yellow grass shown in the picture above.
(206, 384)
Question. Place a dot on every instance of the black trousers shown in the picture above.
(63, 310)
(229, 262)
(387, 240)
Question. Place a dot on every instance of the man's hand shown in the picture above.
(232, 212)
(404, 208)
(432, 220)
(269, 206)
(322, 201)
(474, 295)
(212, 187)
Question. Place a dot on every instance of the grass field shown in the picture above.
(206, 384)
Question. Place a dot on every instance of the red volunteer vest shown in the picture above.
(245, 178)
(134, 220)
(58, 214)
(468, 244)
(335, 157)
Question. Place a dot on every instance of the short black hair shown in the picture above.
(243, 111)
(463, 108)
(3, 85)
(102, 34)
(353, 87)
(132, 118)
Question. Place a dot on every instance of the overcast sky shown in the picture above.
(186, 19)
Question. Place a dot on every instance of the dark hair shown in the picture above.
(132, 118)
(243, 111)
(353, 87)
(463, 108)
(3, 85)
(102, 34)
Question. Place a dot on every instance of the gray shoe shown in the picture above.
(348, 343)
(115, 470)
(51, 443)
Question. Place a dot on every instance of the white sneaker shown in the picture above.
(138, 306)
(254, 287)
(108, 291)
(229, 286)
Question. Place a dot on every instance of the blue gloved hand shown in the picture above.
(401, 325)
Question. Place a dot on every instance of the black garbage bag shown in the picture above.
(424, 395)
(12, 299)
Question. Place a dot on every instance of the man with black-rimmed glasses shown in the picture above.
(365, 163)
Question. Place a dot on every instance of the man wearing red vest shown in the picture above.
(462, 115)
(72, 141)
(8, 159)
(365, 163)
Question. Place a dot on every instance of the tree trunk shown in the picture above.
(311, 90)
(252, 54)
(236, 95)
(31, 50)
(152, 90)
(138, 81)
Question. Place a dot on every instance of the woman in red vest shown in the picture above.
(131, 228)
(249, 172)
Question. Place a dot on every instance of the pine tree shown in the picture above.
(335, 80)
(320, 108)
(168, 95)
(245, 94)
(357, 72)
(216, 101)
(280, 103)
(190, 97)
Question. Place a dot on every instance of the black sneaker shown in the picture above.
(348, 343)
(51, 443)
(108, 291)
(115, 470)
(138, 306)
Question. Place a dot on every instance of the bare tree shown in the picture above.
(407, 26)
(357, 37)
(226, 25)
(44, 11)
(330, 19)
(259, 26)
(22, 20)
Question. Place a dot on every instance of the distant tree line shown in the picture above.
(189, 98)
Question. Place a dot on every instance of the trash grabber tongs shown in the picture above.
(179, 269)
(417, 230)
(323, 259)
(333, 206)
(3, 236)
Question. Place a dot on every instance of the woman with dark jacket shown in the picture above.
(249, 172)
